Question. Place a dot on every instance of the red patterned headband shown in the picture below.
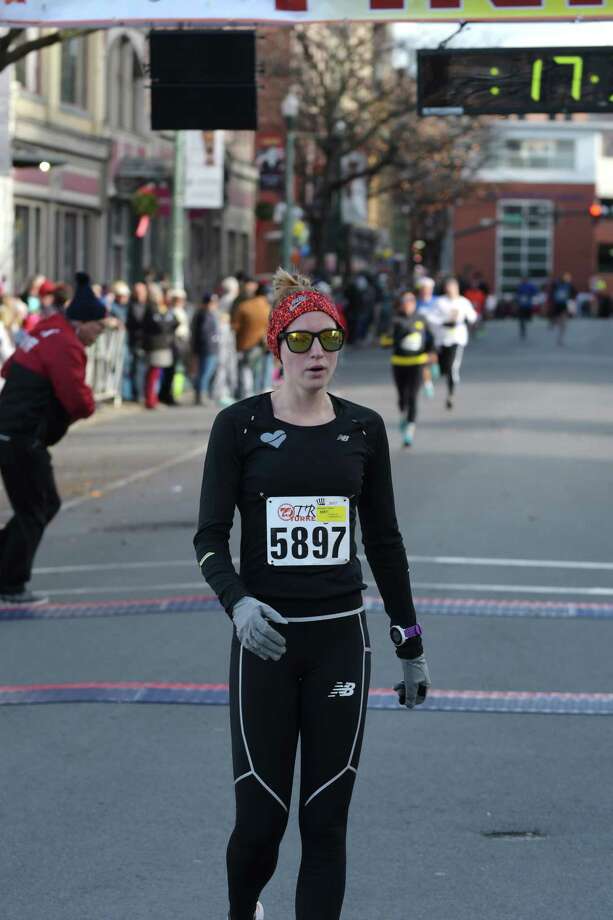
(295, 305)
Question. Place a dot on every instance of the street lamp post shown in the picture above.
(178, 213)
(289, 110)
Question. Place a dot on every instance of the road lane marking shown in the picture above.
(135, 477)
(418, 585)
(197, 603)
(514, 589)
(498, 701)
(492, 561)
(502, 562)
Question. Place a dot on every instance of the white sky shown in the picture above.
(501, 35)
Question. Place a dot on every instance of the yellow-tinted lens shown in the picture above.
(299, 342)
(331, 339)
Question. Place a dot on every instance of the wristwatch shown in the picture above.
(400, 634)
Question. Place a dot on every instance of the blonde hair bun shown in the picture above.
(284, 284)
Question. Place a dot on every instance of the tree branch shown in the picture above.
(10, 55)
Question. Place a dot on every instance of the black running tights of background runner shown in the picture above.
(408, 381)
(446, 358)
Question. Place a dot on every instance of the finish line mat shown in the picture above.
(199, 603)
(511, 701)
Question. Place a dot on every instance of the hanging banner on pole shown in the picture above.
(269, 12)
(204, 163)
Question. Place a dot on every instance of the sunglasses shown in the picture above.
(300, 341)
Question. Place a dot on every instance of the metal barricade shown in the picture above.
(105, 365)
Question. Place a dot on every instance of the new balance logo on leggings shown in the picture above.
(341, 689)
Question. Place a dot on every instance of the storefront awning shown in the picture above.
(29, 155)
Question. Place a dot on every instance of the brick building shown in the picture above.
(529, 214)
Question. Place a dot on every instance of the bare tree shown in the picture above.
(15, 44)
(355, 101)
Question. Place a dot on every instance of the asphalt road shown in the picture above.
(116, 811)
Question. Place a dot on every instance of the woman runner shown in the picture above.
(450, 319)
(299, 463)
(413, 345)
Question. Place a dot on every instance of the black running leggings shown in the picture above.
(318, 692)
(449, 359)
(408, 380)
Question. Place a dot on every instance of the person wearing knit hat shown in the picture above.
(85, 307)
(45, 392)
(301, 464)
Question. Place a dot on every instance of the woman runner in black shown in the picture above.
(299, 463)
(413, 345)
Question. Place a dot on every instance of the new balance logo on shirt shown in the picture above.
(342, 689)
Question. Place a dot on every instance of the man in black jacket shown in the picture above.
(45, 392)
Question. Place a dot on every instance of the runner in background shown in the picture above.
(450, 319)
(525, 297)
(426, 301)
(413, 347)
(477, 294)
(561, 300)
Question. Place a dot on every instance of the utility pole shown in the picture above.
(289, 110)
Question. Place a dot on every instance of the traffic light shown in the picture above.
(599, 210)
(595, 210)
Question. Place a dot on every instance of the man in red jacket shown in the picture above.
(45, 392)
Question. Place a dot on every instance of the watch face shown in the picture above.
(396, 635)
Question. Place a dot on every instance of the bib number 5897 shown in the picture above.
(301, 542)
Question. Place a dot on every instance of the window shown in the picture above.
(125, 87)
(21, 246)
(29, 251)
(27, 69)
(605, 257)
(245, 252)
(73, 89)
(536, 153)
(119, 227)
(73, 243)
(231, 261)
(524, 243)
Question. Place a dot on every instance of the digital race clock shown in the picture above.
(506, 81)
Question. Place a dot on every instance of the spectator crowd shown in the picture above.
(216, 345)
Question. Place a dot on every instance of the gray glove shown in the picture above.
(412, 691)
(250, 618)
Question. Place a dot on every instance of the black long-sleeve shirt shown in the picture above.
(252, 457)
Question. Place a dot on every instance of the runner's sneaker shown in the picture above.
(449, 402)
(429, 389)
(408, 435)
(23, 598)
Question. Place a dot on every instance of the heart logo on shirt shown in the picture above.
(274, 438)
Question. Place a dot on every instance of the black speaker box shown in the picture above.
(203, 80)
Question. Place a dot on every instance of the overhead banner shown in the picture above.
(204, 163)
(269, 12)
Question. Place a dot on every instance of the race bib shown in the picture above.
(307, 530)
(411, 342)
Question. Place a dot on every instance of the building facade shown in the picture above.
(81, 149)
(529, 214)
